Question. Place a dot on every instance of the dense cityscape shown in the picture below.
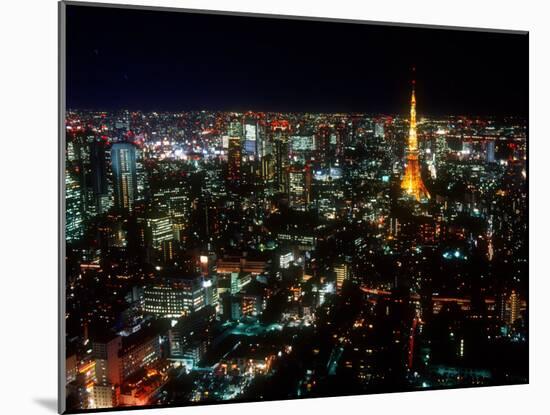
(218, 256)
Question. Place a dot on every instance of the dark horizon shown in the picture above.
(172, 61)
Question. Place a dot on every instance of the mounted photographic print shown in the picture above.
(258, 208)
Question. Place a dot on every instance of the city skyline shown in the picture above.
(218, 256)
(193, 291)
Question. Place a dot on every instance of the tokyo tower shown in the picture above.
(412, 183)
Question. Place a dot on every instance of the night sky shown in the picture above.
(171, 61)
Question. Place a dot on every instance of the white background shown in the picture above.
(28, 197)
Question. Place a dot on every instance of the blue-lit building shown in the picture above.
(123, 164)
(490, 151)
(250, 138)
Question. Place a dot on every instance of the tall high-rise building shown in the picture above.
(514, 302)
(142, 183)
(159, 230)
(299, 187)
(263, 146)
(74, 208)
(209, 279)
(323, 142)
(412, 183)
(72, 154)
(251, 130)
(98, 167)
(172, 198)
(235, 128)
(123, 164)
(342, 274)
(379, 129)
(280, 130)
(234, 159)
(267, 167)
(490, 151)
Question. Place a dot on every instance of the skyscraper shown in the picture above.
(234, 159)
(171, 197)
(123, 163)
(74, 208)
(412, 183)
(280, 131)
(342, 274)
(379, 129)
(299, 187)
(250, 129)
(98, 166)
(490, 151)
(160, 230)
(514, 302)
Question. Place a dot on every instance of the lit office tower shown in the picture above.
(71, 152)
(98, 166)
(281, 163)
(379, 129)
(514, 304)
(172, 198)
(342, 274)
(209, 279)
(267, 167)
(123, 163)
(73, 202)
(175, 297)
(341, 137)
(250, 129)
(160, 231)
(299, 187)
(235, 128)
(490, 151)
(412, 182)
(234, 159)
(263, 146)
(441, 148)
(117, 358)
(280, 131)
(239, 280)
(234, 150)
(141, 180)
(106, 355)
(302, 143)
(323, 141)
(103, 396)
(179, 207)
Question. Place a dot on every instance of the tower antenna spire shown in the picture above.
(413, 82)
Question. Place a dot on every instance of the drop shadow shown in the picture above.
(48, 403)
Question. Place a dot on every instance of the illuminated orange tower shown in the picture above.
(412, 183)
